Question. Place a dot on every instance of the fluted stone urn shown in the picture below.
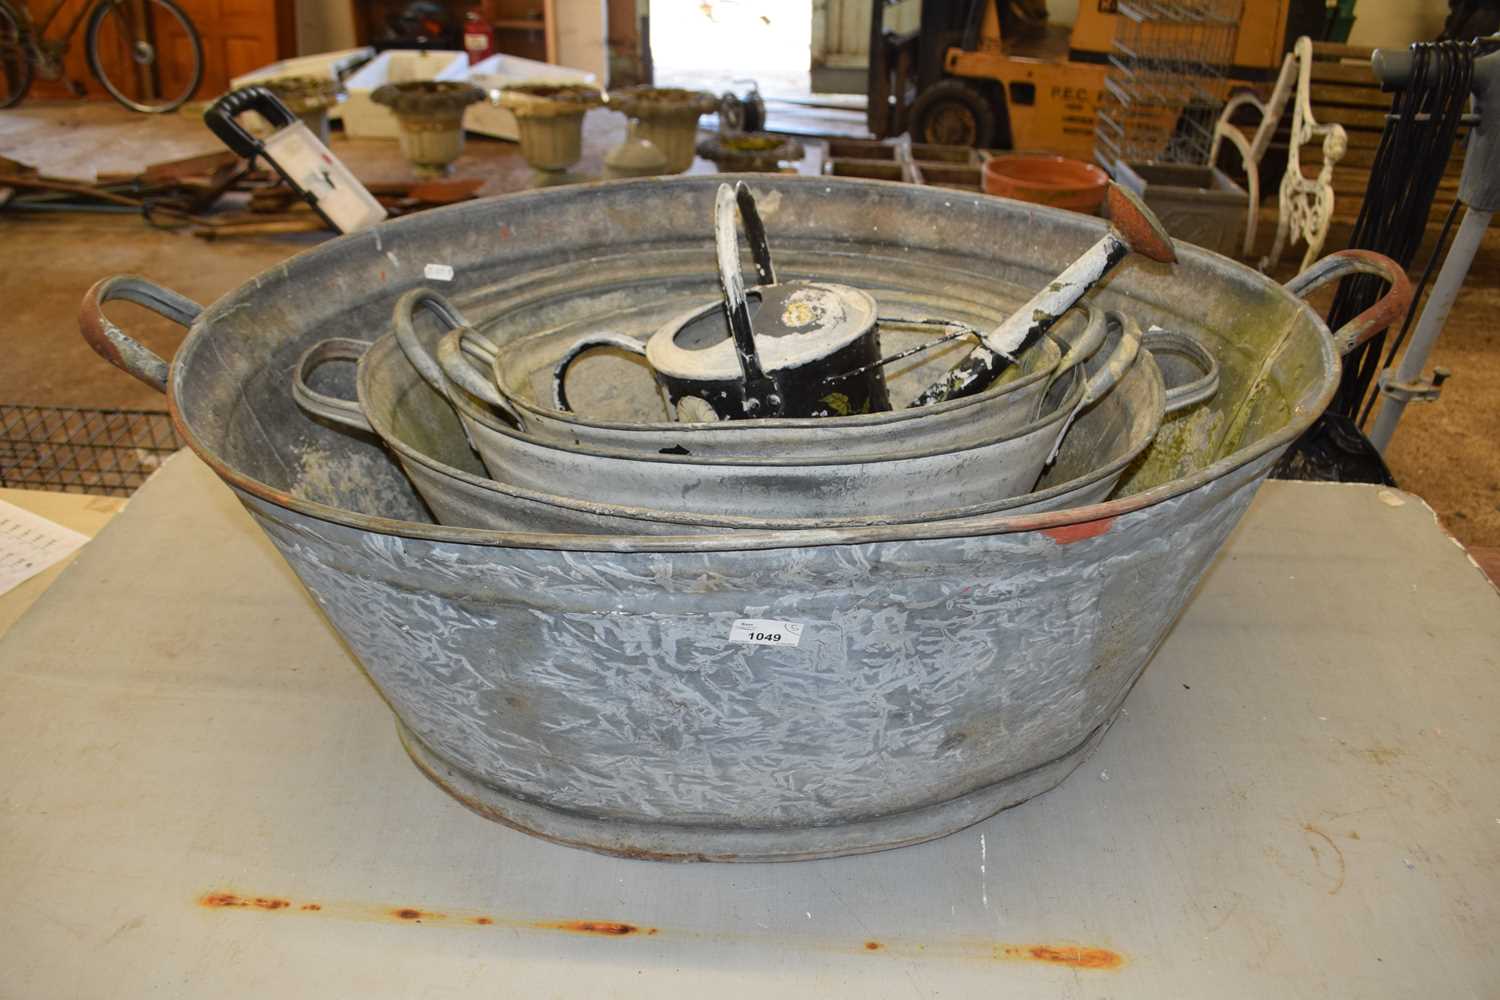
(549, 118)
(309, 98)
(431, 113)
(667, 117)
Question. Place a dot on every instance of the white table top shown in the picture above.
(1300, 801)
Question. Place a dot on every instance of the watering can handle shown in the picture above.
(582, 346)
(345, 412)
(115, 345)
(1343, 263)
(760, 391)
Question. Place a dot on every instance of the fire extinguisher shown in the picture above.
(479, 37)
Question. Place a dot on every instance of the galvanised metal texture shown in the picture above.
(616, 406)
(595, 698)
(419, 427)
(1011, 637)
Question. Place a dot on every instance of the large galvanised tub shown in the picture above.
(587, 688)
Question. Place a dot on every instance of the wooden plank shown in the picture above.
(1337, 50)
(1333, 72)
(1324, 94)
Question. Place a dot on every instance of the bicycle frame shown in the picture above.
(39, 27)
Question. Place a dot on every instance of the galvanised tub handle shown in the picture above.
(1343, 263)
(1195, 391)
(453, 357)
(450, 367)
(115, 345)
(1082, 347)
(346, 412)
(1118, 363)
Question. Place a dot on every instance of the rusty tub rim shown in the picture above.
(1100, 515)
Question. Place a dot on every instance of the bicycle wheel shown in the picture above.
(146, 53)
(15, 65)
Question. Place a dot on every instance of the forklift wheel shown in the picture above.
(952, 113)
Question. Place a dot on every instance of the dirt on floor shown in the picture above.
(1446, 451)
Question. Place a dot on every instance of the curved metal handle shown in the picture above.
(458, 368)
(755, 233)
(411, 345)
(449, 367)
(1119, 361)
(761, 398)
(1343, 263)
(346, 412)
(1083, 347)
(582, 346)
(1198, 390)
(115, 345)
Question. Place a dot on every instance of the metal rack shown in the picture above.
(1168, 80)
(75, 450)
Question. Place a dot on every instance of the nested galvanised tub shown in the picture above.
(586, 688)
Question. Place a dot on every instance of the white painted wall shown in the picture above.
(582, 36)
(1398, 23)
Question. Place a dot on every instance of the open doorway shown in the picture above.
(709, 44)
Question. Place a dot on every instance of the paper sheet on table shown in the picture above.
(30, 543)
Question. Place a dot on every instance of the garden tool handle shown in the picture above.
(222, 118)
(115, 345)
(582, 346)
(1343, 263)
(345, 412)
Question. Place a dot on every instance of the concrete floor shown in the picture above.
(1446, 452)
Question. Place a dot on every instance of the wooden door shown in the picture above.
(238, 36)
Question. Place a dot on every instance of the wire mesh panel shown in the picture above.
(1168, 80)
(72, 450)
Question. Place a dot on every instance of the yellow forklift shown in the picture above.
(998, 74)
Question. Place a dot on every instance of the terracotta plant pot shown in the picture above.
(750, 152)
(667, 117)
(309, 98)
(549, 117)
(1047, 180)
(431, 113)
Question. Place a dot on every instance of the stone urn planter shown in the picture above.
(667, 117)
(431, 114)
(750, 152)
(309, 98)
(549, 118)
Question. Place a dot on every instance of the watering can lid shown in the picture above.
(795, 322)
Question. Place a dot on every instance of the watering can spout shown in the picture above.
(1133, 227)
(1137, 226)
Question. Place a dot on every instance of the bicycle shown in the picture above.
(145, 53)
